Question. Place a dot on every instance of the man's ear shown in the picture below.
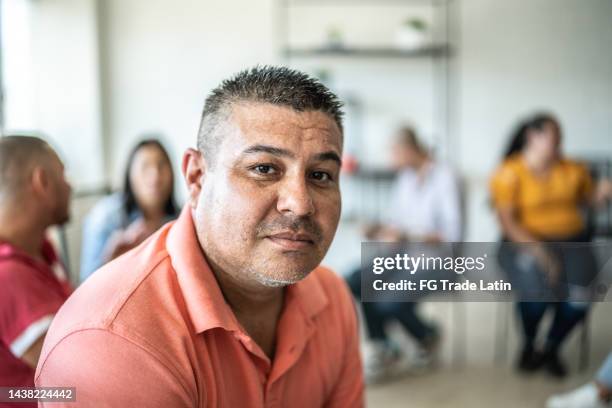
(194, 170)
(39, 180)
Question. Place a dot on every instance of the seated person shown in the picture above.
(538, 194)
(595, 394)
(425, 207)
(34, 195)
(123, 220)
(227, 306)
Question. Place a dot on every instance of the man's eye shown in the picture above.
(321, 176)
(264, 169)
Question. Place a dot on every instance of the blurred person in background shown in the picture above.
(123, 220)
(34, 195)
(594, 394)
(538, 195)
(425, 207)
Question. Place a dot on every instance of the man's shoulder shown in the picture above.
(17, 270)
(123, 296)
(12, 265)
(131, 309)
(20, 284)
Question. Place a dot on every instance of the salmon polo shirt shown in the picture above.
(153, 329)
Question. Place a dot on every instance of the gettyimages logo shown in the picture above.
(486, 271)
(413, 264)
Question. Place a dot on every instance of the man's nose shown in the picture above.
(295, 197)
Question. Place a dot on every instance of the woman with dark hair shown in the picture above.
(123, 220)
(539, 195)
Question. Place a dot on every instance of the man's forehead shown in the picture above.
(257, 120)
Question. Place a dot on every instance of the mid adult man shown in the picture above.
(227, 306)
(33, 196)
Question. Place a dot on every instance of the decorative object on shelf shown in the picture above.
(334, 40)
(412, 34)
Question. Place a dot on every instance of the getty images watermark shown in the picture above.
(485, 271)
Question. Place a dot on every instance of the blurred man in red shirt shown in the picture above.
(33, 196)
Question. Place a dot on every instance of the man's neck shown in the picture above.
(22, 233)
(258, 308)
(245, 298)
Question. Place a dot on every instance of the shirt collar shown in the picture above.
(203, 297)
(8, 251)
(308, 294)
(205, 303)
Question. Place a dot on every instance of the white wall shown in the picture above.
(161, 59)
(53, 80)
(17, 65)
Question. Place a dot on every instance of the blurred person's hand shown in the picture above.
(130, 237)
(548, 263)
(603, 192)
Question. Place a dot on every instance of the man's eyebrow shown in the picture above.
(276, 151)
(331, 155)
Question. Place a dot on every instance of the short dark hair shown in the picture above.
(17, 155)
(280, 86)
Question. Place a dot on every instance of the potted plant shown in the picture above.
(412, 34)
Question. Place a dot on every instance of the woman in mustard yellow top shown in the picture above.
(539, 196)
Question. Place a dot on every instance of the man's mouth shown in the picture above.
(292, 240)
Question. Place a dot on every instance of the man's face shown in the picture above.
(266, 211)
(59, 191)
